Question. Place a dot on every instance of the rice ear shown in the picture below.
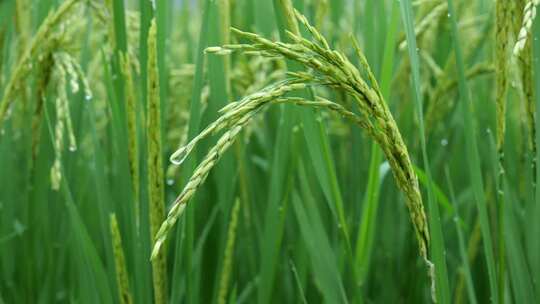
(156, 185)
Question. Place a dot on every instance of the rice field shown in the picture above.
(272, 151)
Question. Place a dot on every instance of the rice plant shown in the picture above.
(285, 151)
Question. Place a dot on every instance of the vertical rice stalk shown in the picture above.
(524, 56)
(122, 279)
(155, 166)
(131, 114)
(503, 8)
(501, 64)
(225, 19)
(229, 255)
(18, 74)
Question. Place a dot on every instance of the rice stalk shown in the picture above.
(332, 69)
(225, 22)
(122, 279)
(155, 167)
(229, 255)
(17, 76)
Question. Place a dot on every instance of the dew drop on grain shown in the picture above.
(179, 156)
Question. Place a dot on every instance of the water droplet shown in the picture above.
(178, 157)
(72, 148)
(18, 227)
(87, 97)
(449, 15)
(444, 142)
(170, 181)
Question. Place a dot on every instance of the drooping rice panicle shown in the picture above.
(22, 67)
(74, 84)
(331, 69)
(60, 106)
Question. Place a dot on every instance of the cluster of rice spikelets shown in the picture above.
(529, 13)
(122, 279)
(66, 67)
(229, 254)
(156, 188)
(132, 134)
(61, 109)
(327, 68)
